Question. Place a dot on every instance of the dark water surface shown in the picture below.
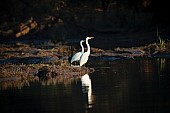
(117, 86)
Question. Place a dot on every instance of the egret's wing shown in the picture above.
(76, 57)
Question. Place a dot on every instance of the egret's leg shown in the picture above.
(76, 63)
(84, 65)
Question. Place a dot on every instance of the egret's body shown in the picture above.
(77, 56)
(85, 56)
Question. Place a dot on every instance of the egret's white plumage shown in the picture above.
(77, 56)
(85, 56)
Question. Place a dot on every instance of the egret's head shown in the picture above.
(82, 41)
(89, 38)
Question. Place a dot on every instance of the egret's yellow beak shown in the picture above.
(91, 37)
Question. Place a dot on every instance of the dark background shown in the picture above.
(81, 18)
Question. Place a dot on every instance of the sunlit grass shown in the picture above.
(161, 43)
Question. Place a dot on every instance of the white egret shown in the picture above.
(77, 56)
(85, 56)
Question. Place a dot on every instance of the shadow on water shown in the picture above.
(138, 85)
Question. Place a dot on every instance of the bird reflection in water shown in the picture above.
(87, 89)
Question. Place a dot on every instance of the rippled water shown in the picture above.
(117, 86)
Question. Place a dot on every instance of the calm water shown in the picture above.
(117, 86)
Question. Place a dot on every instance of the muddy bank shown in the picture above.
(13, 75)
(48, 64)
(52, 59)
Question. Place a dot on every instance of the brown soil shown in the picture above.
(58, 68)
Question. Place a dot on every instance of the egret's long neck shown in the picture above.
(88, 46)
(82, 48)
